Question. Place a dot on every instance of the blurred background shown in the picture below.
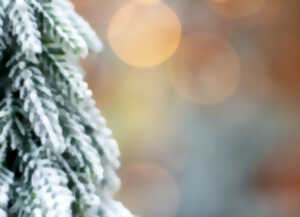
(204, 99)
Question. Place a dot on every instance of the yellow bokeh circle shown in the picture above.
(144, 35)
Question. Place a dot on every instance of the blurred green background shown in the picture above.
(203, 97)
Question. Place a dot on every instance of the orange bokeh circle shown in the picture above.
(205, 69)
(236, 8)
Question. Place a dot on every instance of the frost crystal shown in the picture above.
(57, 157)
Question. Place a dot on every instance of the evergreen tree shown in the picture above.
(57, 157)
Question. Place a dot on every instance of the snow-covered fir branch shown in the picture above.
(6, 180)
(57, 157)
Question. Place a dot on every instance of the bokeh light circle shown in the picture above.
(144, 35)
(277, 177)
(150, 190)
(236, 8)
(146, 1)
(205, 69)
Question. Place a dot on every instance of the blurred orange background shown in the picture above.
(203, 97)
